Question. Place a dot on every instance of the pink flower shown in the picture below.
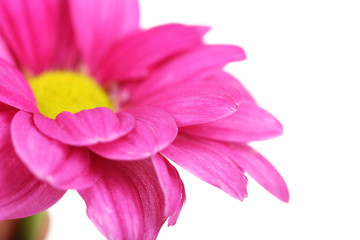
(159, 95)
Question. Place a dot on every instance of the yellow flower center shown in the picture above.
(59, 91)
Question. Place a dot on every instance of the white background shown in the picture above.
(303, 66)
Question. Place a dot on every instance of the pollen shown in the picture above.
(59, 91)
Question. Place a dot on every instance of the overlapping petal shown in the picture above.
(99, 25)
(224, 78)
(61, 165)
(146, 49)
(21, 193)
(4, 52)
(35, 31)
(172, 186)
(14, 90)
(249, 123)
(174, 217)
(208, 162)
(186, 66)
(127, 203)
(195, 104)
(260, 169)
(88, 127)
(154, 130)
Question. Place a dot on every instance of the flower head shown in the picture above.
(89, 101)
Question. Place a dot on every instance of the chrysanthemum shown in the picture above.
(89, 101)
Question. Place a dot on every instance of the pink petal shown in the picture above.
(88, 127)
(4, 52)
(60, 165)
(154, 130)
(101, 24)
(67, 54)
(35, 31)
(172, 186)
(209, 162)
(135, 57)
(14, 89)
(127, 203)
(260, 169)
(173, 218)
(188, 66)
(21, 194)
(196, 104)
(225, 78)
(249, 123)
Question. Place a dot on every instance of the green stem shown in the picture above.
(30, 228)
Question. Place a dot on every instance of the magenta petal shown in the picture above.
(224, 78)
(189, 65)
(143, 50)
(127, 203)
(6, 115)
(100, 24)
(14, 89)
(4, 52)
(197, 104)
(249, 123)
(260, 169)
(88, 127)
(173, 218)
(172, 186)
(35, 31)
(154, 130)
(60, 165)
(209, 162)
(21, 193)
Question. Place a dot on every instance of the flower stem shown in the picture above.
(33, 227)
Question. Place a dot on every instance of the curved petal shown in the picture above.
(4, 52)
(14, 89)
(172, 187)
(88, 127)
(224, 78)
(187, 66)
(100, 24)
(249, 123)
(260, 169)
(209, 162)
(173, 218)
(60, 165)
(154, 130)
(196, 104)
(137, 55)
(21, 194)
(127, 203)
(37, 32)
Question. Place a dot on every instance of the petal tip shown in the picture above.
(240, 54)
(202, 30)
(284, 195)
(278, 128)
